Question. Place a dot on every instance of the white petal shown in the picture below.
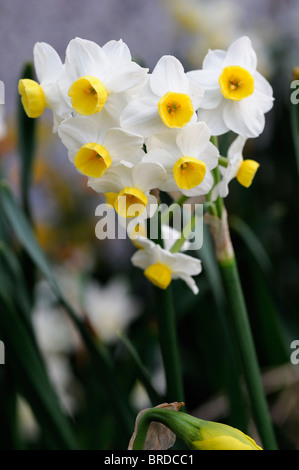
(214, 59)
(236, 147)
(189, 281)
(165, 140)
(123, 145)
(56, 102)
(77, 131)
(141, 116)
(147, 176)
(84, 57)
(124, 76)
(47, 63)
(210, 156)
(208, 79)
(117, 51)
(168, 75)
(241, 53)
(165, 159)
(264, 92)
(244, 117)
(150, 254)
(193, 139)
(214, 119)
(196, 93)
(111, 181)
(186, 264)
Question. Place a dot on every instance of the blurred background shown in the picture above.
(96, 276)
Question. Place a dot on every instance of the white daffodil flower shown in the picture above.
(161, 266)
(127, 187)
(169, 100)
(46, 93)
(188, 157)
(110, 308)
(93, 146)
(237, 167)
(236, 95)
(96, 76)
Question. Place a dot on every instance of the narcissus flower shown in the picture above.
(188, 157)
(94, 74)
(169, 100)
(93, 148)
(36, 96)
(236, 95)
(160, 266)
(243, 170)
(128, 187)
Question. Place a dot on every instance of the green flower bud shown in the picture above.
(197, 434)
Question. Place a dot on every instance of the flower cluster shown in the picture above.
(132, 132)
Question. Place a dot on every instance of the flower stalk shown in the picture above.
(169, 344)
(238, 312)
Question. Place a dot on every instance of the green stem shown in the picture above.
(169, 344)
(223, 161)
(239, 316)
(169, 418)
(185, 234)
(167, 215)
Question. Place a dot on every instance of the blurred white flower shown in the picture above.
(110, 308)
(53, 331)
(29, 427)
(64, 381)
(236, 95)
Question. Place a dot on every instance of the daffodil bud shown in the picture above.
(197, 434)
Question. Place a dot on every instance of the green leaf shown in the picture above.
(252, 242)
(31, 379)
(265, 316)
(103, 365)
(143, 373)
(211, 270)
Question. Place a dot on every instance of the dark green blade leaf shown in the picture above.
(31, 379)
(143, 373)
(103, 364)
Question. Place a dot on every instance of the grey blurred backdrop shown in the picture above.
(151, 28)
